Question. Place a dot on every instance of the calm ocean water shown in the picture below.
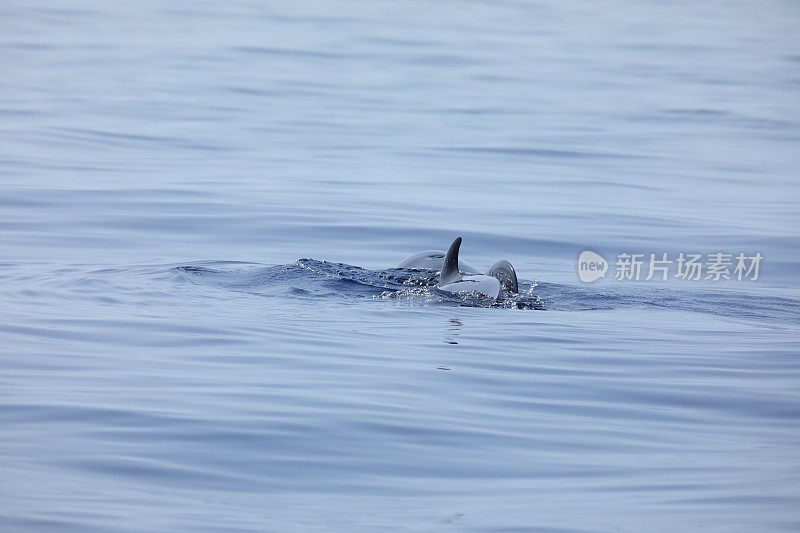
(168, 363)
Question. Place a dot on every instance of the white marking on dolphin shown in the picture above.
(458, 277)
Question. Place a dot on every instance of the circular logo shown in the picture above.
(591, 266)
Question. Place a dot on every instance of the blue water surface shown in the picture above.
(202, 205)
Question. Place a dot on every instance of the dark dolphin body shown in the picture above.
(457, 276)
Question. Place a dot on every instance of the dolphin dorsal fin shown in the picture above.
(450, 271)
(504, 272)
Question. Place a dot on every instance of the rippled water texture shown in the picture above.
(203, 205)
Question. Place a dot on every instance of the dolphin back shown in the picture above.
(427, 260)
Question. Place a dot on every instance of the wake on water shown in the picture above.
(310, 278)
(315, 279)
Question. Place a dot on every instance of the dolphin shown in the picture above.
(459, 277)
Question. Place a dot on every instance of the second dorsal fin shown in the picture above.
(450, 271)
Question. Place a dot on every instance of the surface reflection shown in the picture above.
(453, 330)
